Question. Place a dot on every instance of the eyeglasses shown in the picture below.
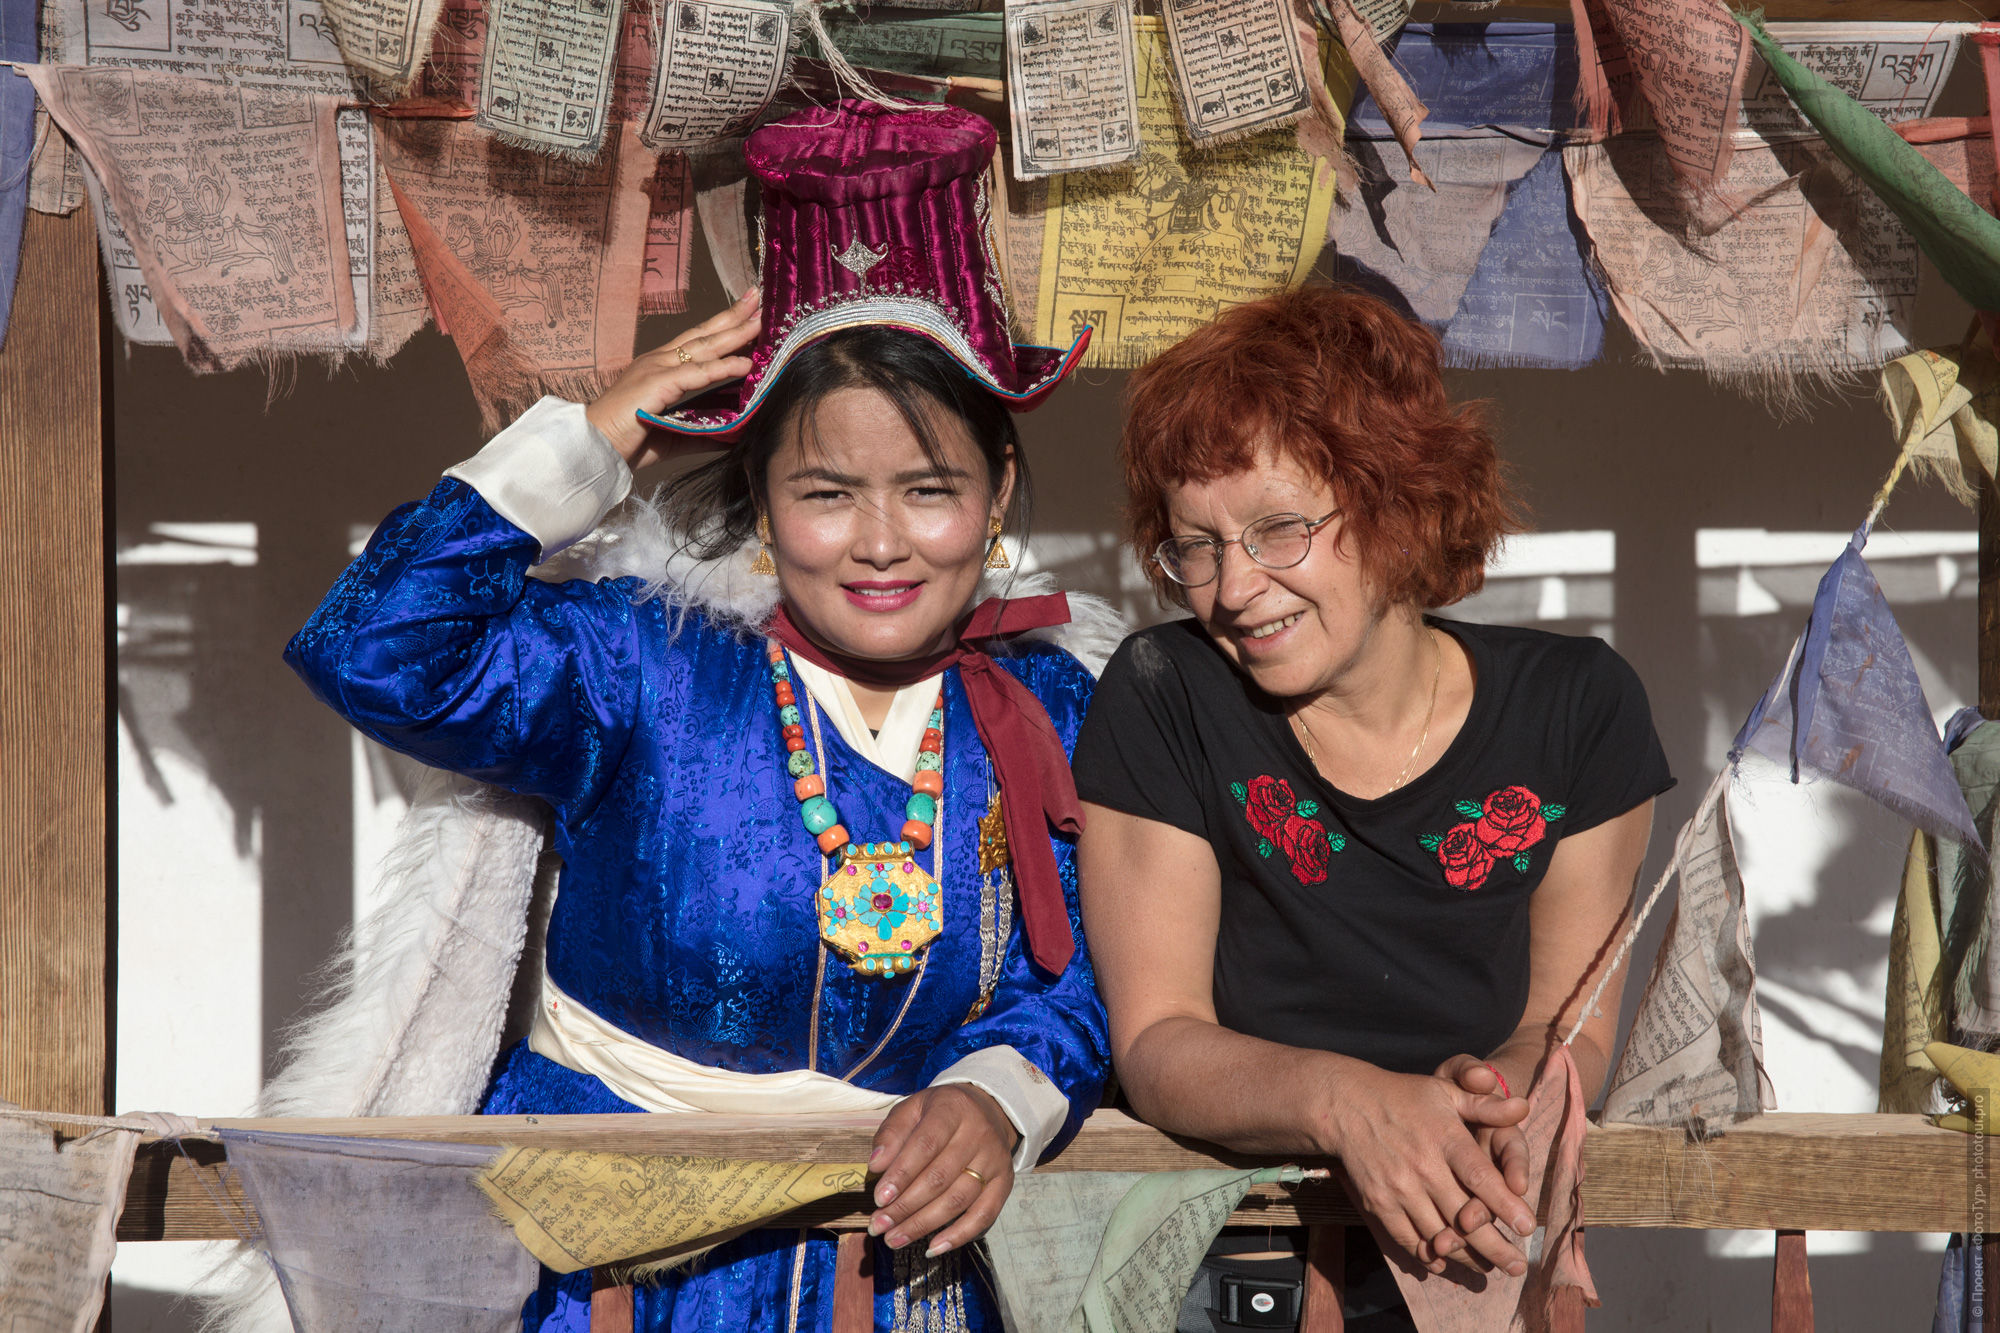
(1276, 541)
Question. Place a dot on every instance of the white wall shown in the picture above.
(249, 817)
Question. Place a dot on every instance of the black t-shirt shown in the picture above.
(1392, 930)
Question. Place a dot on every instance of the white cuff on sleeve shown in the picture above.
(551, 474)
(1024, 1092)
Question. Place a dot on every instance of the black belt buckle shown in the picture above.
(1252, 1302)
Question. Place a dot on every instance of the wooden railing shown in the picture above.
(1784, 1173)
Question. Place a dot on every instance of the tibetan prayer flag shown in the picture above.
(1046, 1239)
(382, 1233)
(1533, 301)
(18, 41)
(1416, 247)
(1847, 705)
(574, 1209)
(1477, 78)
(1493, 259)
(1109, 1251)
(59, 1206)
(1960, 237)
(1695, 1054)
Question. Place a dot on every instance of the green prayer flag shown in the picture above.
(1154, 1242)
(1110, 1252)
(1960, 237)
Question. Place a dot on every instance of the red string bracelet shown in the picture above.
(1498, 1077)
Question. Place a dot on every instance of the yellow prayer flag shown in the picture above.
(1150, 252)
(575, 1210)
(1976, 1075)
(1914, 1016)
(1943, 404)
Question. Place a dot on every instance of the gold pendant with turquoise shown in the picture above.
(879, 909)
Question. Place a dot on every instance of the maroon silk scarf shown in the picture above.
(1027, 755)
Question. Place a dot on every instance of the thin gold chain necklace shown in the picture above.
(1430, 711)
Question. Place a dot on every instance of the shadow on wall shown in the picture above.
(200, 666)
(1643, 1275)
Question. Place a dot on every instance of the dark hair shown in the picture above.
(715, 506)
(1351, 391)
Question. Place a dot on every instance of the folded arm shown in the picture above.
(1152, 905)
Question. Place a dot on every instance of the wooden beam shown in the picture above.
(55, 918)
(1799, 1171)
(1792, 1172)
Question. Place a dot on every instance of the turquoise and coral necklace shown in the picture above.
(877, 909)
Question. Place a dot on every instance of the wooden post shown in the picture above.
(854, 1283)
(56, 920)
(1791, 1286)
(1326, 1279)
(611, 1308)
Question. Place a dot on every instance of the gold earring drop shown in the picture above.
(996, 555)
(763, 564)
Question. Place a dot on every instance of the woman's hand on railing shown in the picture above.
(1506, 1145)
(659, 380)
(1409, 1144)
(945, 1158)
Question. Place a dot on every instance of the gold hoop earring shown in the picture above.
(763, 564)
(996, 554)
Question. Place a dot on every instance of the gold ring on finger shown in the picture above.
(974, 1174)
(684, 354)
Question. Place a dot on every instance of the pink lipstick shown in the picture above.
(883, 595)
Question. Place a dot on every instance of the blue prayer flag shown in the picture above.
(1848, 705)
(19, 41)
(1518, 78)
(1533, 300)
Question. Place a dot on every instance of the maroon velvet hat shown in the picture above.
(874, 216)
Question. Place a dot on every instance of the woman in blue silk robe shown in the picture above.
(877, 471)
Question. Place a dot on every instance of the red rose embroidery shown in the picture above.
(1305, 845)
(1285, 826)
(1466, 860)
(1503, 827)
(1270, 804)
(1511, 821)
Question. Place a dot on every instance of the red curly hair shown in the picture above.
(1351, 391)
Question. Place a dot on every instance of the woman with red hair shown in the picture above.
(1349, 868)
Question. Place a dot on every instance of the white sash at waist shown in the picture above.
(658, 1080)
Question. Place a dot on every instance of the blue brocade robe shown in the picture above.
(686, 905)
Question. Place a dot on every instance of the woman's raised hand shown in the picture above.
(945, 1164)
(1411, 1145)
(655, 382)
